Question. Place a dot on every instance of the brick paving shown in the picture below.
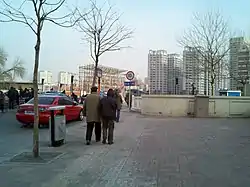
(174, 152)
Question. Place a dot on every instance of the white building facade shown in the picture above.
(65, 77)
(157, 68)
(175, 76)
(47, 76)
(193, 73)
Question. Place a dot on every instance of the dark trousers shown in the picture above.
(108, 130)
(11, 104)
(2, 107)
(17, 101)
(90, 127)
(118, 115)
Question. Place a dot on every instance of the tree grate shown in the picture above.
(27, 157)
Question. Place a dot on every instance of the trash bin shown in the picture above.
(57, 126)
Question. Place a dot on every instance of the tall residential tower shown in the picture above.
(239, 62)
(175, 77)
(193, 73)
(157, 68)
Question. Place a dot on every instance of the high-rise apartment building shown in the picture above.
(46, 75)
(175, 76)
(244, 66)
(64, 78)
(157, 68)
(234, 46)
(193, 72)
(239, 62)
(222, 76)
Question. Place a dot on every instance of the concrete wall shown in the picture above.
(179, 106)
(136, 103)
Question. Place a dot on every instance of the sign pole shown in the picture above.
(99, 75)
(99, 85)
(71, 84)
(129, 98)
(130, 75)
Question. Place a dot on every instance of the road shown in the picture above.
(14, 139)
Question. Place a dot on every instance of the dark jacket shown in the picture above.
(2, 98)
(108, 108)
(118, 99)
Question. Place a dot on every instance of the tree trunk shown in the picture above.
(244, 89)
(95, 71)
(36, 111)
(212, 85)
(212, 89)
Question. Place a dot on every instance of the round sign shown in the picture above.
(130, 75)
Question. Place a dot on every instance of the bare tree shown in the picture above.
(16, 70)
(103, 32)
(209, 35)
(43, 11)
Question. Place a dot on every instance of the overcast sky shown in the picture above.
(157, 23)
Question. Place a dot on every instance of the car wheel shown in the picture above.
(81, 116)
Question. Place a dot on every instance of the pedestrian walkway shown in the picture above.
(7, 112)
(182, 152)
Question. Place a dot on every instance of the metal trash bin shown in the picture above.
(57, 126)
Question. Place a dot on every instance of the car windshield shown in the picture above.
(43, 100)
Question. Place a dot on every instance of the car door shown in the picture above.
(71, 108)
(67, 111)
(74, 108)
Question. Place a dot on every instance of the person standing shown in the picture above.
(17, 97)
(2, 101)
(92, 113)
(119, 102)
(12, 97)
(128, 99)
(108, 109)
(74, 97)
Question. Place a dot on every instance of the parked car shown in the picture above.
(72, 111)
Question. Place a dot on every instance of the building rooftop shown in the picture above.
(105, 69)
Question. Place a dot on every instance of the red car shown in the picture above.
(72, 111)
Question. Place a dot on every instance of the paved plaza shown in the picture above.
(148, 151)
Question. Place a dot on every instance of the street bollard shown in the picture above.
(57, 127)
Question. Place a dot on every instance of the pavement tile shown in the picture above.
(173, 152)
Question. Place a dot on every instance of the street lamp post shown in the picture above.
(176, 83)
(71, 84)
(193, 88)
(99, 75)
(42, 84)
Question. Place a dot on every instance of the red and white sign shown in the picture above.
(130, 75)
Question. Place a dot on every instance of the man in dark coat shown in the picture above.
(108, 109)
(119, 101)
(12, 97)
(91, 110)
(2, 101)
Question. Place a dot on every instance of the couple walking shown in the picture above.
(105, 110)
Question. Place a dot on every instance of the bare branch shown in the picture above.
(44, 10)
(102, 31)
(17, 69)
(209, 35)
